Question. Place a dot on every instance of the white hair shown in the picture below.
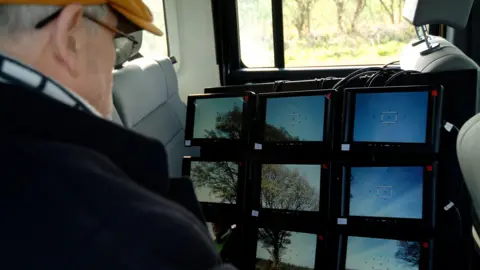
(16, 19)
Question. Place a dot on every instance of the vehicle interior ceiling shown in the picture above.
(218, 44)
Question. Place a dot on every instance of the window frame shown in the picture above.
(233, 71)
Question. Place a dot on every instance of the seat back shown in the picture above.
(147, 99)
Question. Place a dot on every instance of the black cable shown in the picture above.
(398, 74)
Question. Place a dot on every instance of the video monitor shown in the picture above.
(218, 118)
(294, 119)
(291, 187)
(281, 249)
(215, 181)
(389, 194)
(403, 118)
(367, 253)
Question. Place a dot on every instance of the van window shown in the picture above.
(323, 32)
(154, 46)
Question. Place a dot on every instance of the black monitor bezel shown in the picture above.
(430, 174)
(304, 219)
(433, 122)
(321, 244)
(213, 211)
(272, 148)
(426, 255)
(248, 112)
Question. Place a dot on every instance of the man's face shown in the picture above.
(94, 82)
(83, 53)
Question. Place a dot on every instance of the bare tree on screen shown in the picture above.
(409, 253)
(227, 125)
(221, 177)
(275, 242)
(283, 188)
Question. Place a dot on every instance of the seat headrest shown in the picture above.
(468, 152)
(449, 57)
(453, 13)
(141, 86)
(124, 47)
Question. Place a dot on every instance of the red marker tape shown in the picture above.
(434, 93)
(429, 168)
(245, 98)
(329, 95)
(320, 237)
(240, 164)
(425, 245)
(325, 166)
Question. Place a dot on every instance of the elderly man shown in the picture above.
(78, 191)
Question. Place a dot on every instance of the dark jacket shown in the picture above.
(79, 192)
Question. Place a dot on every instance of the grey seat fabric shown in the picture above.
(116, 116)
(147, 99)
(468, 152)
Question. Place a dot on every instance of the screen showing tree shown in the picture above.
(381, 254)
(393, 192)
(291, 187)
(299, 118)
(278, 249)
(215, 182)
(391, 117)
(218, 118)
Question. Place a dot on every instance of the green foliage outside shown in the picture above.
(325, 32)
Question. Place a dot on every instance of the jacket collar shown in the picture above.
(28, 113)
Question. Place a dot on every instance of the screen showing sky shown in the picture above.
(391, 117)
(215, 182)
(296, 250)
(394, 192)
(218, 118)
(381, 254)
(291, 187)
(299, 118)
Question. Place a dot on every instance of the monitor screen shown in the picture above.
(278, 249)
(382, 254)
(215, 181)
(395, 117)
(218, 118)
(392, 192)
(291, 187)
(297, 118)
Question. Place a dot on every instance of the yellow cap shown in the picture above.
(135, 11)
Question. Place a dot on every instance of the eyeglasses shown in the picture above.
(118, 34)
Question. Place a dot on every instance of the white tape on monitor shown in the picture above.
(255, 213)
(345, 147)
(342, 221)
(258, 146)
(188, 143)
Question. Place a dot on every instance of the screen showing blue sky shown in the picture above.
(215, 182)
(291, 187)
(206, 112)
(301, 251)
(301, 117)
(391, 117)
(394, 192)
(381, 254)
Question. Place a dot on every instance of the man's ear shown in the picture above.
(66, 38)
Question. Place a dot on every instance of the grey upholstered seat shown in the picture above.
(147, 100)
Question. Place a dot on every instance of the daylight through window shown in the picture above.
(324, 32)
(154, 46)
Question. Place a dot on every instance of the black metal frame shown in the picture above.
(307, 149)
(426, 245)
(425, 225)
(433, 122)
(221, 211)
(249, 103)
